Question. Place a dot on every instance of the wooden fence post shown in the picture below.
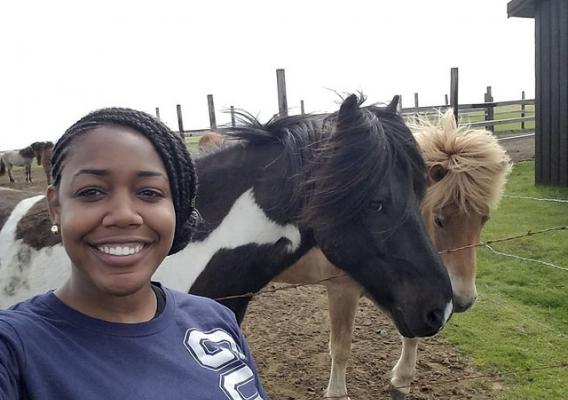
(399, 105)
(158, 113)
(233, 116)
(489, 110)
(446, 99)
(282, 98)
(454, 85)
(416, 100)
(523, 110)
(211, 106)
(180, 120)
(302, 107)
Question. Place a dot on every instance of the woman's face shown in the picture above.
(114, 209)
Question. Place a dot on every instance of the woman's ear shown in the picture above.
(53, 206)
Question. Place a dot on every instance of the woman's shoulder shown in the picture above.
(199, 305)
(24, 314)
(26, 309)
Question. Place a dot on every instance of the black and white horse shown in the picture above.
(284, 188)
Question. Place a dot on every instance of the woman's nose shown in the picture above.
(122, 211)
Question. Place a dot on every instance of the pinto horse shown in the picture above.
(18, 158)
(284, 188)
(467, 170)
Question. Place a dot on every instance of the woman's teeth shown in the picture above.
(120, 250)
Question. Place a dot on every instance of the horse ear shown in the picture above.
(348, 110)
(393, 105)
(436, 173)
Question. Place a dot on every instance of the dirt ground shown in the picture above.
(288, 333)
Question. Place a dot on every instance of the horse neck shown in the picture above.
(225, 175)
(238, 232)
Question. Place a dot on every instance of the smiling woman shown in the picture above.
(117, 223)
(120, 207)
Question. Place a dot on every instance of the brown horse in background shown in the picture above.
(43, 155)
(210, 141)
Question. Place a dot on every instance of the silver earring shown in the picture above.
(55, 229)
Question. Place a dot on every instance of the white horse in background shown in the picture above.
(467, 170)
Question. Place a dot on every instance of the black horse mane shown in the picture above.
(335, 163)
(291, 132)
(366, 145)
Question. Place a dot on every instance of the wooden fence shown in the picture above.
(484, 114)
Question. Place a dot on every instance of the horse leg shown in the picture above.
(47, 173)
(10, 173)
(343, 299)
(28, 169)
(404, 371)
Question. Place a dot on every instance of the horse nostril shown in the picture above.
(435, 318)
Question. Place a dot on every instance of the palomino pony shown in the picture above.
(19, 158)
(281, 190)
(210, 141)
(467, 170)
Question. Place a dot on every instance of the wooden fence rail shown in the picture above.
(464, 112)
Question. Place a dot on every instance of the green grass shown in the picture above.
(520, 321)
(191, 143)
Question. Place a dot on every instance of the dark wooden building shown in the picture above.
(551, 94)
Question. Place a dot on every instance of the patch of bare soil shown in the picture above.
(288, 333)
(39, 183)
(519, 149)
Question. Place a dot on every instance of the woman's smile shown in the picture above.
(121, 253)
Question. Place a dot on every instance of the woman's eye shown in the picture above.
(376, 205)
(151, 194)
(439, 222)
(90, 193)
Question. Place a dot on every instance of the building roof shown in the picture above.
(522, 8)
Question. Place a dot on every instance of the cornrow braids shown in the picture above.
(168, 145)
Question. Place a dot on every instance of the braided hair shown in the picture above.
(169, 146)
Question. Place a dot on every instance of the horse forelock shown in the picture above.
(477, 165)
(355, 161)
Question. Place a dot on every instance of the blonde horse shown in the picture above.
(467, 171)
(210, 141)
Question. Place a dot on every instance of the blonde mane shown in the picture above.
(477, 165)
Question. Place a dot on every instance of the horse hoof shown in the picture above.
(397, 395)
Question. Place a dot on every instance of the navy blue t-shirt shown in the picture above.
(193, 350)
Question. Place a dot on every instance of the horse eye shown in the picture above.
(376, 205)
(438, 221)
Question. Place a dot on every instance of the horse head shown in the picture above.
(467, 170)
(366, 181)
(37, 149)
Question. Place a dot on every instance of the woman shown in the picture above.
(122, 199)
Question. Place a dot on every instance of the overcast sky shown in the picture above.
(61, 59)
